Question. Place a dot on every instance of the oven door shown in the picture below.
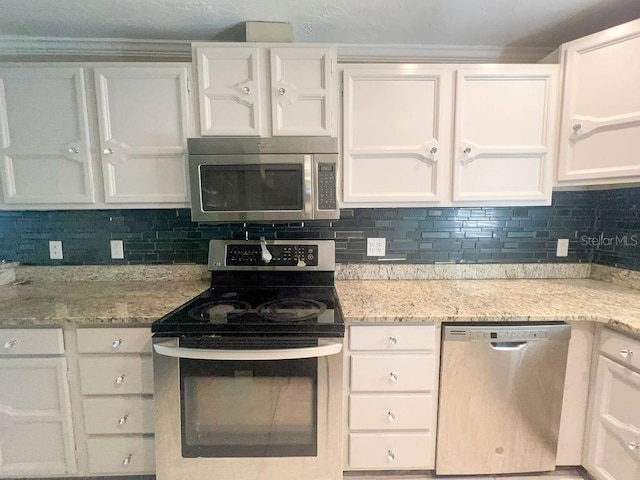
(235, 409)
(228, 188)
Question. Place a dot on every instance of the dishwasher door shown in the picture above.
(501, 390)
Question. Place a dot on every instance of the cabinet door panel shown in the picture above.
(396, 135)
(600, 126)
(44, 145)
(143, 117)
(504, 134)
(36, 435)
(302, 91)
(230, 89)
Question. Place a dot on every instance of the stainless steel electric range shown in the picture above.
(248, 375)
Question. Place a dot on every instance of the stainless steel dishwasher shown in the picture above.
(501, 389)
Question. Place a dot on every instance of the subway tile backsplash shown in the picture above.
(413, 235)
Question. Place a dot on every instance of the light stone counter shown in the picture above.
(491, 300)
(92, 303)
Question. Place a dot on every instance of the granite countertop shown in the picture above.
(491, 300)
(141, 302)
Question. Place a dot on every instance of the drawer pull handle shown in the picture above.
(391, 416)
(391, 456)
(10, 344)
(115, 345)
(393, 377)
(120, 379)
(127, 460)
(393, 340)
(123, 420)
(633, 446)
(626, 353)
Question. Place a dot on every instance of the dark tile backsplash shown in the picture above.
(414, 235)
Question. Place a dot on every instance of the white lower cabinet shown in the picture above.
(613, 450)
(116, 384)
(36, 434)
(391, 397)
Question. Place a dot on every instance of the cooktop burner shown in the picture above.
(219, 311)
(291, 309)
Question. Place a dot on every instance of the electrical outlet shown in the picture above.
(376, 247)
(55, 250)
(117, 249)
(562, 250)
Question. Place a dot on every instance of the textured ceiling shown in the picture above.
(517, 23)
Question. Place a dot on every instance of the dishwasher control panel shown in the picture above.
(501, 333)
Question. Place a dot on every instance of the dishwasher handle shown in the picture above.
(508, 346)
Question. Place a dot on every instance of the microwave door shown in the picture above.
(252, 188)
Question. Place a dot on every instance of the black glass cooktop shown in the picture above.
(244, 310)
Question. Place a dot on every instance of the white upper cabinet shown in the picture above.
(399, 148)
(600, 125)
(259, 90)
(44, 136)
(143, 117)
(505, 129)
(396, 134)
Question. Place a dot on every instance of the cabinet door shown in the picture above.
(505, 134)
(44, 141)
(229, 90)
(396, 135)
(302, 88)
(143, 116)
(36, 436)
(614, 446)
(600, 126)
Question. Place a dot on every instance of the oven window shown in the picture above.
(251, 187)
(249, 408)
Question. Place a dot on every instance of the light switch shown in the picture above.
(117, 249)
(562, 249)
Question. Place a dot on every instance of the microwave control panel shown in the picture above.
(326, 186)
(283, 255)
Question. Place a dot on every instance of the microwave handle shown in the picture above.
(169, 349)
(308, 184)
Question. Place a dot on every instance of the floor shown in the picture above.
(560, 474)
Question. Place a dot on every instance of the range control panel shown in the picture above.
(282, 255)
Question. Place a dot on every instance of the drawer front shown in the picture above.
(34, 341)
(117, 375)
(121, 455)
(114, 340)
(392, 373)
(390, 412)
(390, 451)
(392, 337)
(118, 415)
(624, 350)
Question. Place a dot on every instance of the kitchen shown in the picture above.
(484, 241)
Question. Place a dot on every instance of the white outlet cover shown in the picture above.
(55, 250)
(117, 249)
(376, 247)
(562, 250)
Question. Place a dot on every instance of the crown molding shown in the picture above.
(23, 46)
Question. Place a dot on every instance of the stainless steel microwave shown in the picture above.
(239, 179)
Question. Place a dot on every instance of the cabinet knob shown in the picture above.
(73, 150)
(467, 150)
(393, 340)
(393, 377)
(577, 127)
(282, 91)
(115, 345)
(433, 150)
(390, 455)
(246, 90)
(626, 353)
(633, 446)
(123, 420)
(10, 344)
(120, 379)
(127, 460)
(391, 416)
(107, 151)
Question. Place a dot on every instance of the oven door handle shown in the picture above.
(323, 350)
